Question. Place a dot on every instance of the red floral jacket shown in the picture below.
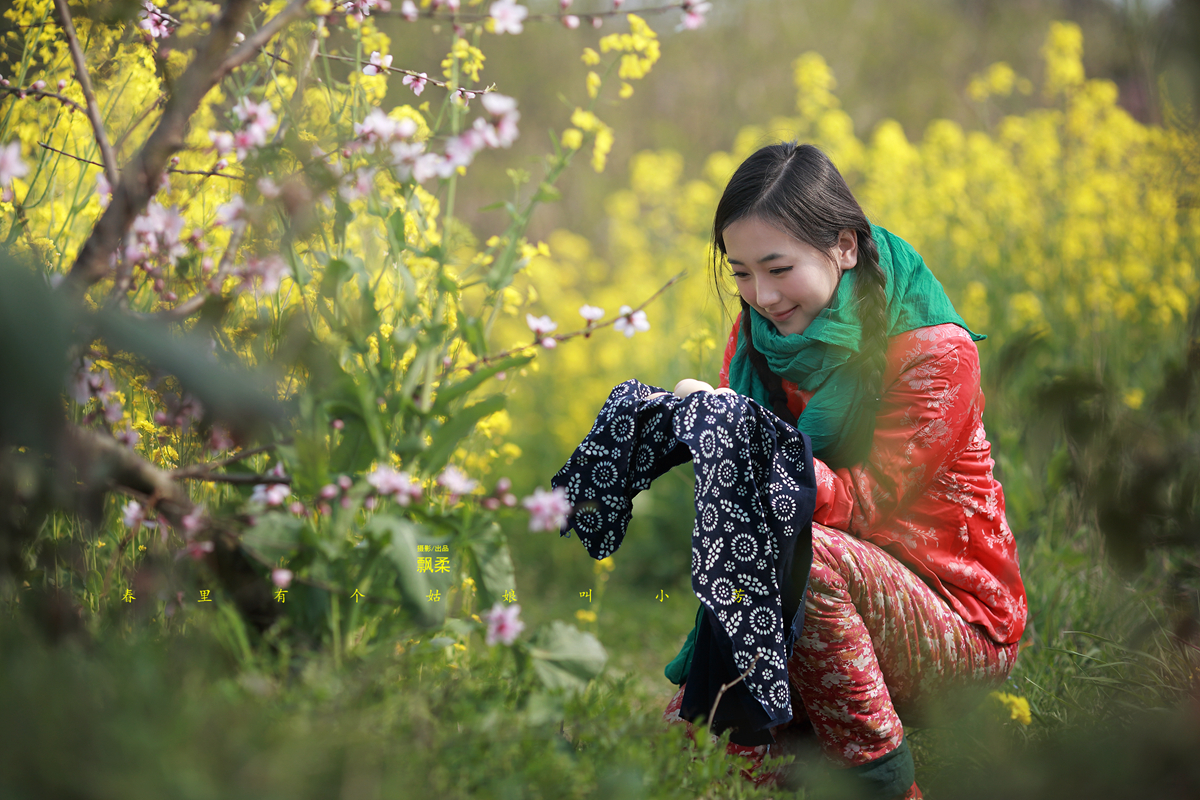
(927, 494)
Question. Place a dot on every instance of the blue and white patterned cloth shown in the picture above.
(755, 492)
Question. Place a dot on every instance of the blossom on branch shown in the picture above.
(548, 510)
(379, 64)
(268, 188)
(357, 184)
(408, 10)
(507, 16)
(693, 14)
(222, 142)
(134, 515)
(155, 236)
(271, 494)
(504, 118)
(103, 189)
(362, 8)
(197, 550)
(540, 325)
(416, 83)
(455, 481)
(631, 322)
(154, 22)
(257, 121)
(591, 313)
(503, 625)
(11, 164)
(232, 214)
(268, 270)
(400, 486)
(378, 130)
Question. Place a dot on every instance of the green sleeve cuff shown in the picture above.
(677, 671)
(889, 776)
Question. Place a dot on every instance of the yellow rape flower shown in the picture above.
(1018, 707)
(470, 60)
(572, 138)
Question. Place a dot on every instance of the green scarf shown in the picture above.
(840, 417)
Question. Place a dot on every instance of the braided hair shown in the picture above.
(798, 189)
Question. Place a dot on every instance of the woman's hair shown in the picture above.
(799, 190)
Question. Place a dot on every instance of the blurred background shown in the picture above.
(1044, 159)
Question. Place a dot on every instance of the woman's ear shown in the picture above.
(845, 252)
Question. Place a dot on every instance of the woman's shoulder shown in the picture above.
(921, 345)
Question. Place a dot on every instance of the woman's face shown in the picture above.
(786, 280)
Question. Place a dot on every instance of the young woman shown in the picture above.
(915, 592)
(914, 596)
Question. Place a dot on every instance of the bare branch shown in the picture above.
(85, 83)
(29, 91)
(196, 301)
(176, 170)
(140, 179)
(248, 479)
(592, 16)
(586, 331)
(730, 685)
(415, 74)
(258, 40)
(102, 455)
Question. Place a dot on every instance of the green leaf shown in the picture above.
(447, 437)
(495, 565)
(336, 271)
(364, 437)
(396, 233)
(565, 657)
(355, 452)
(547, 193)
(448, 394)
(471, 331)
(399, 539)
(274, 536)
(342, 216)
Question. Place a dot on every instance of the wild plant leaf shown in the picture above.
(494, 565)
(447, 437)
(447, 394)
(274, 535)
(565, 657)
(398, 537)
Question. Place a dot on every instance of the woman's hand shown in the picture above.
(688, 386)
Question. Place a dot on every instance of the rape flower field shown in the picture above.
(278, 421)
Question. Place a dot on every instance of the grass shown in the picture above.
(138, 708)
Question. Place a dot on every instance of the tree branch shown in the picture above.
(140, 179)
(196, 301)
(562, 337)
(85, 83)
(29, 91)
(730, 685)
(106, 459)
(240, 478)
(176, 170)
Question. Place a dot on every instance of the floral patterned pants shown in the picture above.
(877, 642)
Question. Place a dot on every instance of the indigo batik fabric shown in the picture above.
(751, 543)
